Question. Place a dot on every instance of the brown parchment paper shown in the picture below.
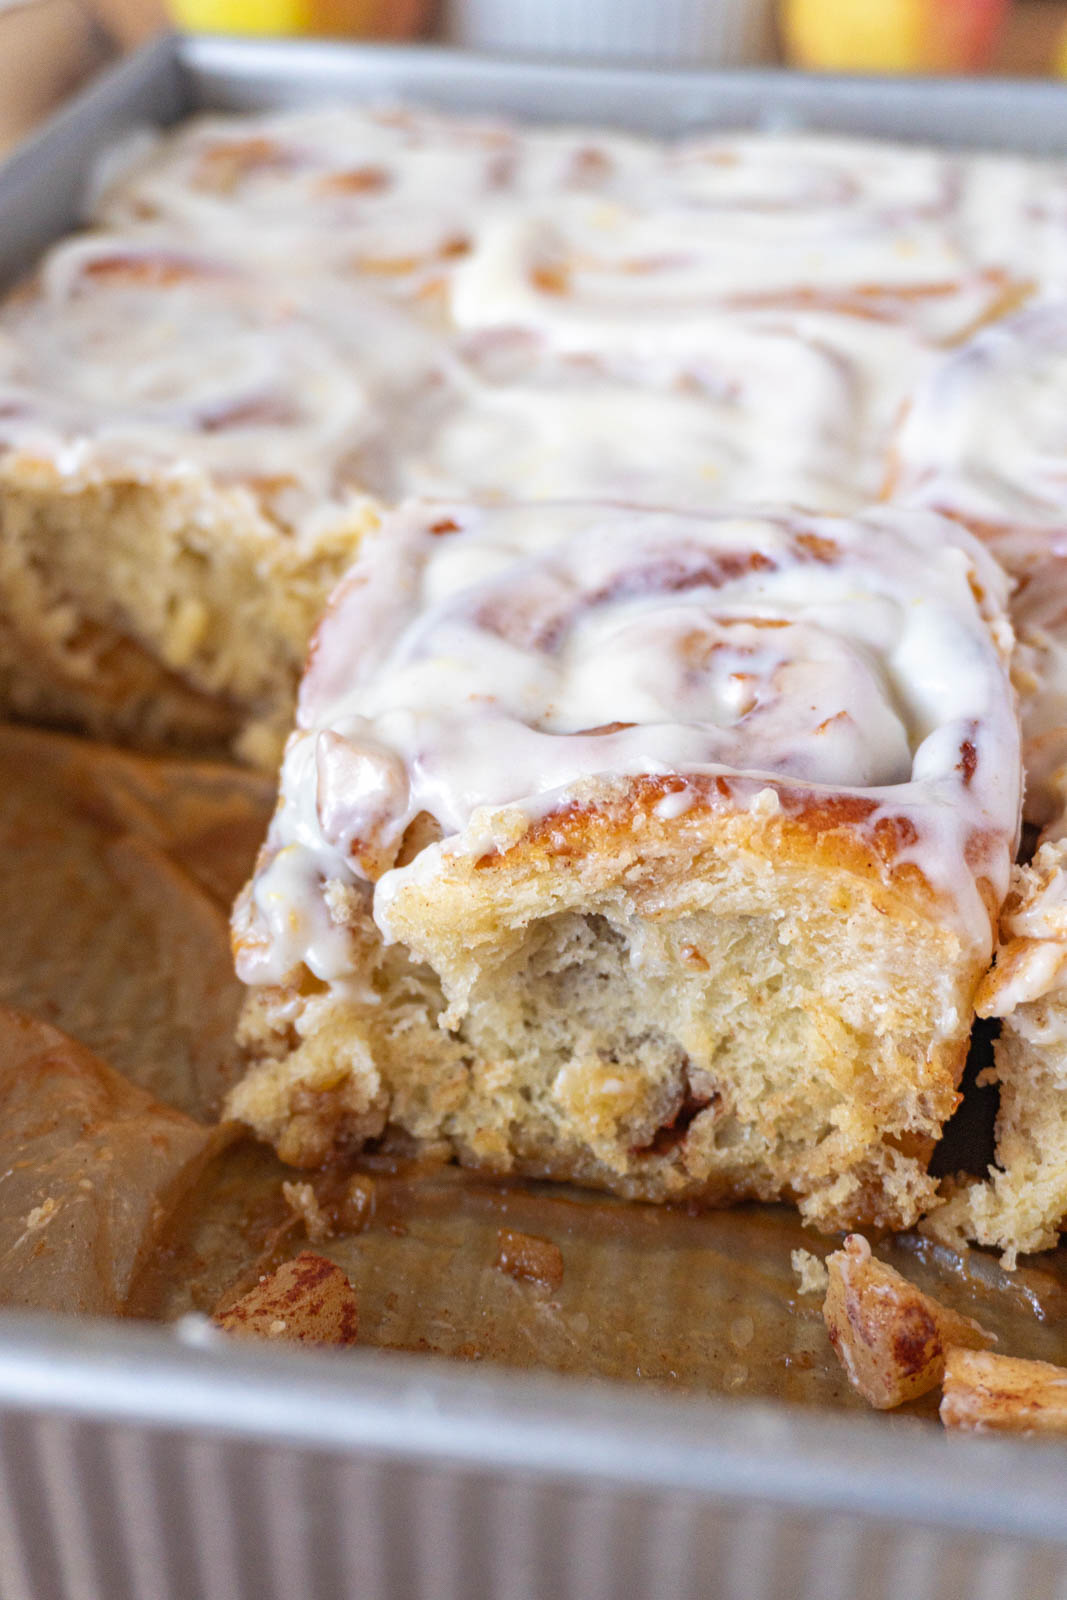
(116, 873)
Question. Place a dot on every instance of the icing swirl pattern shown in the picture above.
(796, 408)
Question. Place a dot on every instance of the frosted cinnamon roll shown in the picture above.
(652, 850)
(393, 194)
(579, 229)
(791, 408)
(986, 440)
(187, 454)
(1022, 1205)
(904, 236)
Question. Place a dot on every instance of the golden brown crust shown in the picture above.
(835, 831)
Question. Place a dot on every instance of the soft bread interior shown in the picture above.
(163, 612)
(766, 1028)
(1022, 1206)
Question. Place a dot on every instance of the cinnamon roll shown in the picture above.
(391, 194)
(655, 850)
(189, 451)
(904, 236)
(587, 232)
(985, 435)
(779, 407)
(984, 440)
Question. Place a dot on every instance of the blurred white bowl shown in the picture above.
(708, 32)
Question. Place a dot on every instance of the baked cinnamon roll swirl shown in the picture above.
(985, 436)
(584, 231)
(896, 235)
(790, 408)
(654, 850)
(394, 195)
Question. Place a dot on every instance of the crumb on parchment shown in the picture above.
(304, 1203)
(811, 1272)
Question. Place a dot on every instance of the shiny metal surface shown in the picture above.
(132, 1464)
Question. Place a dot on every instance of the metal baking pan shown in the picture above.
(135, 1462)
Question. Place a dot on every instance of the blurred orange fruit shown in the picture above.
(381, 19)
(891, 35)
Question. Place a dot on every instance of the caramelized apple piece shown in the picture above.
(526, 1256)
(889, 1336)
(991, 1393)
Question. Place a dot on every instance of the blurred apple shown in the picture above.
(373, 19)
(891, 35)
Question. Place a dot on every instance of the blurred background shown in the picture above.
(47, 47)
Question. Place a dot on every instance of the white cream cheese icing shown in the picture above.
(718, 319)
(985, 437)
(902, 235)
(393, 194)
(131, 358)
(792, 407)
(576, 232)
